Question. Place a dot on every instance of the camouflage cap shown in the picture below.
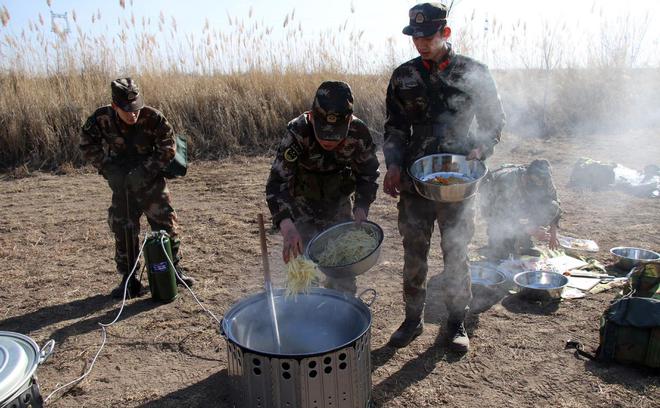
(126, 94)
(539, 172)
(332, 110)
(426, 19)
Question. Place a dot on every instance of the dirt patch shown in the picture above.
(56, 253)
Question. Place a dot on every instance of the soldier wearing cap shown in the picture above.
(327, 157)
(431, 102)
(130, 144)
(518, 203)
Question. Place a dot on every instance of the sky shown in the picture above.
(379, 19)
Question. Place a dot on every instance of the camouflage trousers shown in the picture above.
(417, 217)
(312, 217)
(124, 220)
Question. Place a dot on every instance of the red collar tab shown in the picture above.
(441, 66)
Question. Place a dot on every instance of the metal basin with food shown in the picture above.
(628, 257)
(324, 339)
(540, 285)
(19, 359)
(354, 267)
(447, 177)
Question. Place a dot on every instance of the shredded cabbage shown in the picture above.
(348, 247)
(301, 272)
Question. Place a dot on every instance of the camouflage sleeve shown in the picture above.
(91, 143)
(365, 167)
(279, 194)
(489, 112)
(548, 210)
(165, 145)
(397, 128)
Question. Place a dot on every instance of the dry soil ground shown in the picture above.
(55, 252)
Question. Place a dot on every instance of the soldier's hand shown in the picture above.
(292, 242)
(475, 154)
(360, 215)
(392, 182)
(115, 175)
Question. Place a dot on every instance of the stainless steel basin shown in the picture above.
(629, 257)
(447, 165)
(540, 285)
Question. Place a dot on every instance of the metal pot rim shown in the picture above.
(226, 333)
(657, 258)
(36, 357)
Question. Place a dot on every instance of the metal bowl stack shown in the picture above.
(317, 245)
(425, 169)
(540, 285)
(629, 257)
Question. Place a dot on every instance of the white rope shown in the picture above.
(162, 244)
(104, 335)
(104, 326)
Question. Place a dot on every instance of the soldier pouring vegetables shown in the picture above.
(324, 172)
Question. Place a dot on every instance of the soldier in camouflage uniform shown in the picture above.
(431, 103)
(130, 144)
(326, 155)
(517, 203)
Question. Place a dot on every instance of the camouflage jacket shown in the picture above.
(302, 168)
(504, 197)
(149, 142)
(430, 109)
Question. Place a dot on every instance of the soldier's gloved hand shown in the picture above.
(115, 175)
(292, 242)
(360, 215)
(137, 179)
(392, 183)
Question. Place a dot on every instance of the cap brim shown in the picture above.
(133, 106)
(416, 31)
(328, 131)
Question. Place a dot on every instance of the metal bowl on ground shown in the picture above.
(427, 168)
(628, 257)
(540, 285)
(486, 275)
(318, 244)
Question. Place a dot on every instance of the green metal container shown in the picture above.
(161, 273)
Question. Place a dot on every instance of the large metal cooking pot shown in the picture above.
(323, 359)
(423, 170)
(19, 358)
(317, 245)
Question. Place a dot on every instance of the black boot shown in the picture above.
(134, 290)
(407, 332)
(183, 278)
(457, 336)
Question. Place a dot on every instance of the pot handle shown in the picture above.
(373, 299)
(46, 351)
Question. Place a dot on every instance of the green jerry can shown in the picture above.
(160, 271)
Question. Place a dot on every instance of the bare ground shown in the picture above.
(56, 254)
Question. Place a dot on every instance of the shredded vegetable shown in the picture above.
(301, 272)
(349, 247)
(447, 181)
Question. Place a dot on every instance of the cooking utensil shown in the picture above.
(628, 257)
(318, 244)
(486, 275)
(325, 339)
(423, 170)
(19, 359)
(540, 285)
